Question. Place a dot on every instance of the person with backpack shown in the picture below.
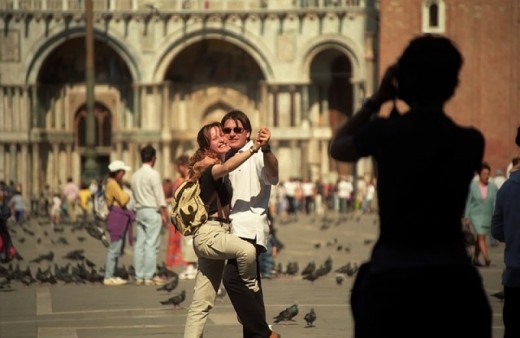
(212, 241)
(119, 219)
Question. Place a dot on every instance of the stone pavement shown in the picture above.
(94, 310)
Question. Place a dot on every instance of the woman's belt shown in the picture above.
(219, 219)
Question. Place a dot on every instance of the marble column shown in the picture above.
(15, 109)
(2, 161)
(325, 114)
(263, 104)
(13, 162)
(165, 107)
(276, 117)
(55, 178)
(25, 112)
(119, 150)
(36, 169)
(292, 106)
(137, 106)
(25, 171)
(34, 107)
(68, 155)
(165, 154)
(2, 110)
(324, 158)
(304, 92)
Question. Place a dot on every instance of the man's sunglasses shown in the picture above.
(236, 130)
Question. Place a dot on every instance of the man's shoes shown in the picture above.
(274, 335)
(115, 281)
(151, 282)
(155, 281)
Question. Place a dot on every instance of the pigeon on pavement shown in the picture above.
(310, 318)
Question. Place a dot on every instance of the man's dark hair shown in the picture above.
(147, 153)
(517, 139)
(428, 70)
(237, 115)
(483, 166)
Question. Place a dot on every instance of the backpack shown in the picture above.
(187, 211)
(100, 205)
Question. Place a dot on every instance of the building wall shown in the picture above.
(288, 41)
(486, 33)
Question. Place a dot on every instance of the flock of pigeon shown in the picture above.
(79, 269)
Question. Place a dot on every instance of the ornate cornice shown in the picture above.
(165, 16)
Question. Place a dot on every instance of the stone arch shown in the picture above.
(343, 45)
(175, 44)
(215, 111)
(214, 99)
(41, 50)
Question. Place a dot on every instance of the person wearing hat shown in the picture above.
(118, 221)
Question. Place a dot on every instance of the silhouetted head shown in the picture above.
(428, 70)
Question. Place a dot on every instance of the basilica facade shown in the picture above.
(164, 68)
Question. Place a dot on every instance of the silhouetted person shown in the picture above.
(419, 281)
(505, 227)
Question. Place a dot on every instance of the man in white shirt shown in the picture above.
(251, 184)
(150, 205)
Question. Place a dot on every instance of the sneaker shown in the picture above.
(139, 282)
(114, 281)
(155, 281)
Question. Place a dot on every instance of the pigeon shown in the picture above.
(171, 285)
(287, 314)
(61, 240)
(349, 269)
(310, 318)
(292, 268)
(47, 257)
(311, 277)
(75, 255)
(309, 268)
(175, 300)
(339, 279)
(89, 263)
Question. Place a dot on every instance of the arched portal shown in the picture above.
(214, 76)
(331, 83)
(61, 104)
(214, 61)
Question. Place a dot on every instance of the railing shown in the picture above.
(175, 5)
